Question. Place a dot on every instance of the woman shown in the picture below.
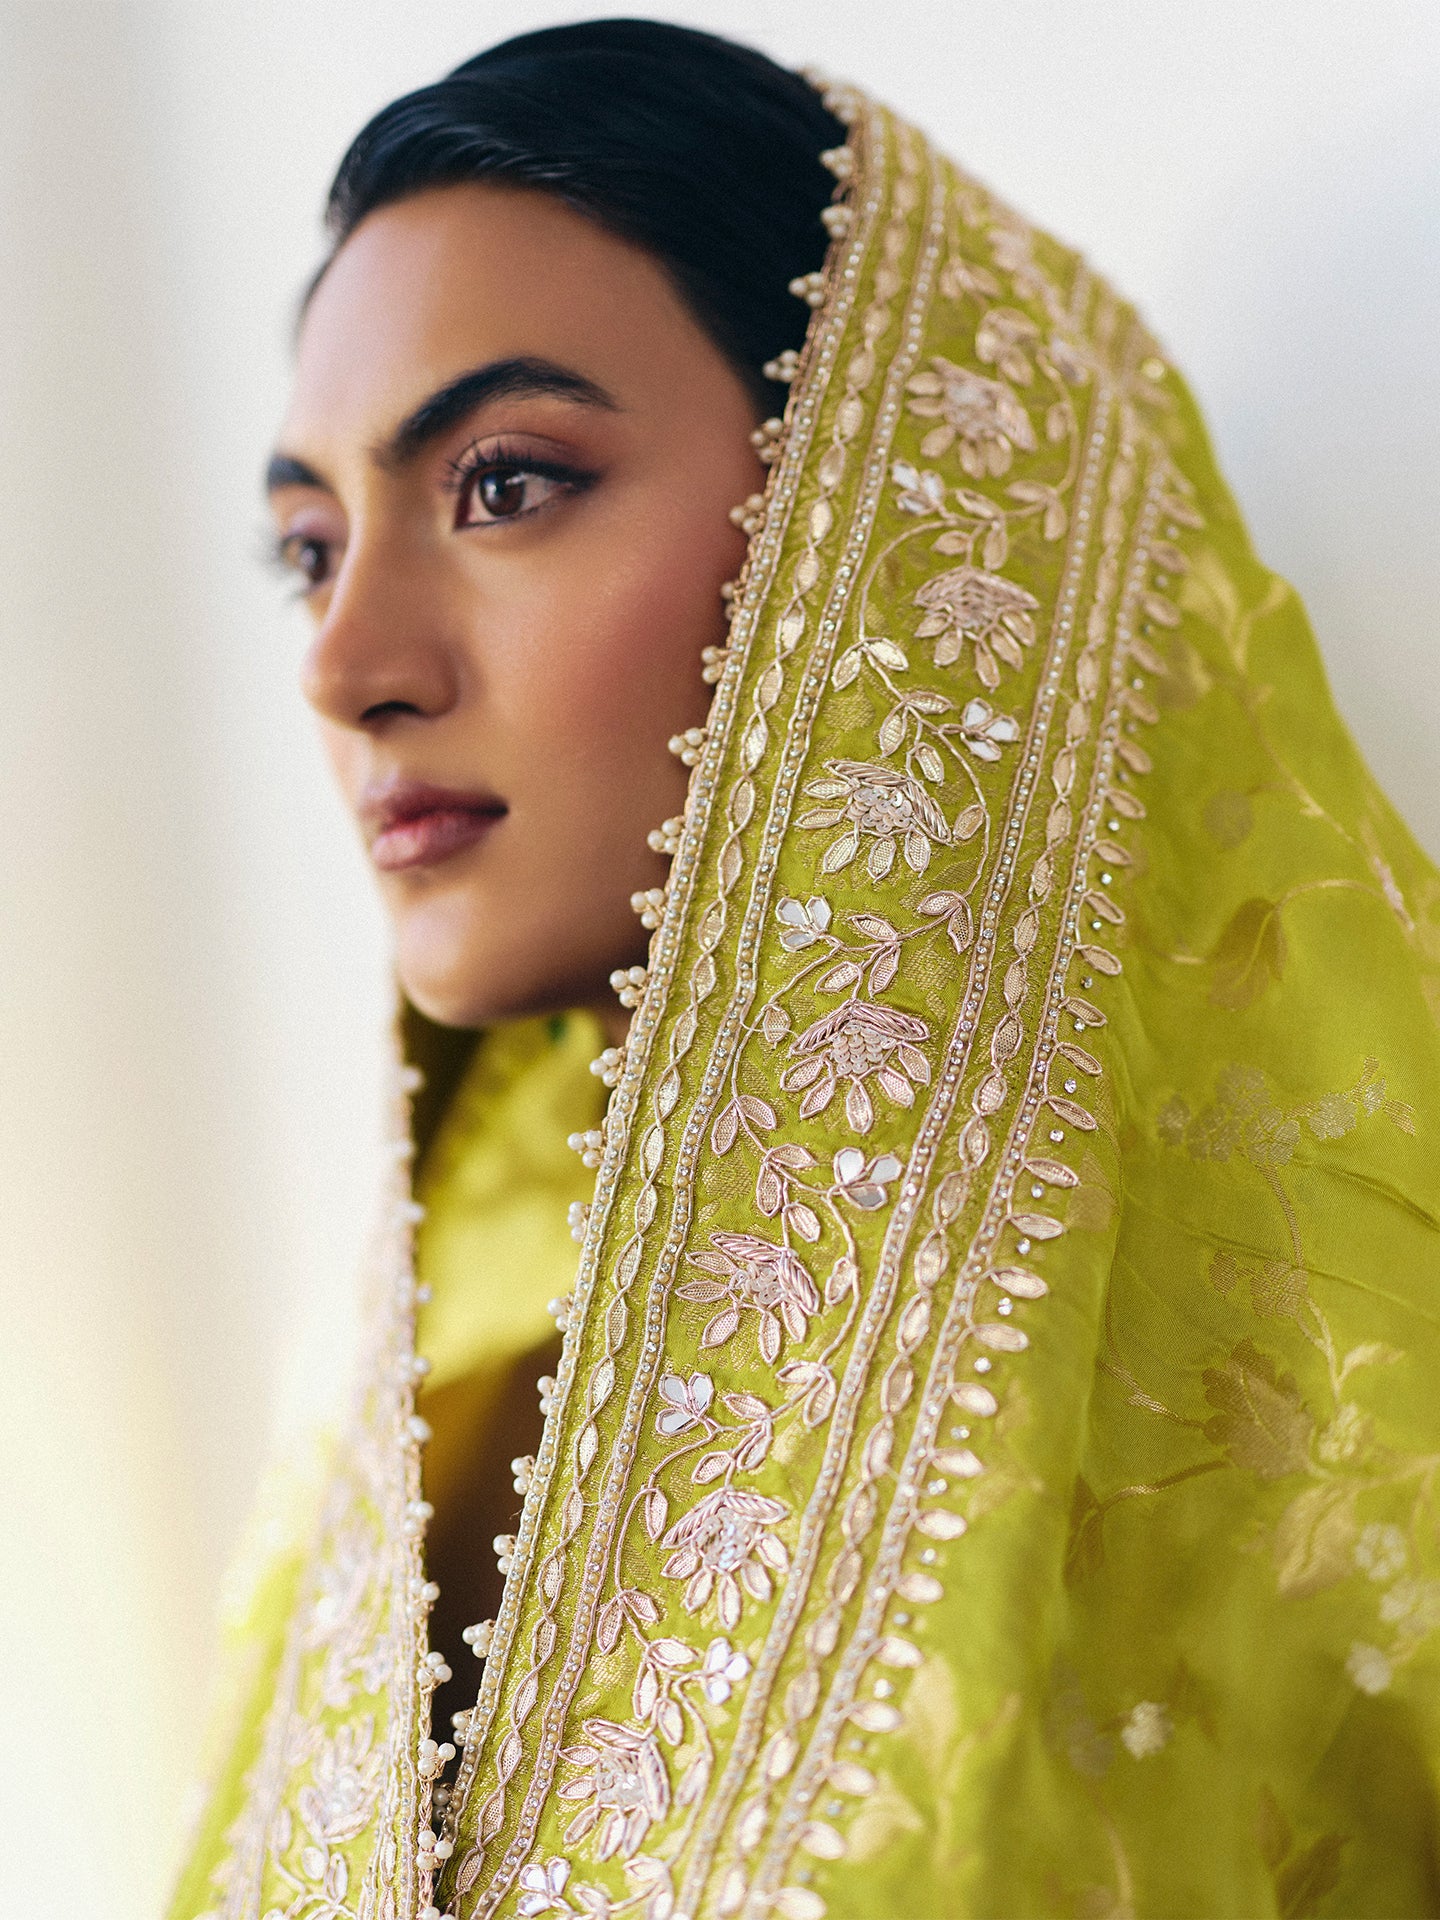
(990, 1466)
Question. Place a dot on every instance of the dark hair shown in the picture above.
(703, 152)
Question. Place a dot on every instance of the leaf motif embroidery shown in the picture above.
(1314, 1540)
(1248, 957)
(1261, 1420)
(1301, 1880)
(1085, 1548)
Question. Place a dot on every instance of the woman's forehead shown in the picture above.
(460, 277)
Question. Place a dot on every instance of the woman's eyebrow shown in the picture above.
(498, 380)
(284, 470)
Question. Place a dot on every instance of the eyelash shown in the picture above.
(461, 474)
(482, 457)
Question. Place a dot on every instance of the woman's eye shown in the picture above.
(504, 493)
(309, 557)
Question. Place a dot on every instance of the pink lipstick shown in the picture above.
(412, 824)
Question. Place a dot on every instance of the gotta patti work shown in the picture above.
(993, 1466)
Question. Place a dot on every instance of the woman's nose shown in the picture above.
(382, 648)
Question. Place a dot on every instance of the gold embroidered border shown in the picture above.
(749, 1731)
(905, 1519)
(911, 1320)
(758, 585)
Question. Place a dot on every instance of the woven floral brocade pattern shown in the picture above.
(993, 1468)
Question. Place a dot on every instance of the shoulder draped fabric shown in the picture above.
(994, 1468)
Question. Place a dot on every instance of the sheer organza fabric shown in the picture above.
(992, 1469)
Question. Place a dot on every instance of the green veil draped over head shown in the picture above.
(993, 1466)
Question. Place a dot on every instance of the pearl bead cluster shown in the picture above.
(783, 368)
(629, 985)
(688, 746)
(608, 1066)
(590, 1145)
(768, 440)
(650, 906)
(666, 838)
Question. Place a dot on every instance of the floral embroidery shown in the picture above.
(624, 1785)
(1381, 1551)
(918, 492)
(722, 1672)
(723, 1544)
(882, 807)
(1413, 1606)
(1001, 341)
(863, 1182)
(851, 1043)
(1368, 1667)
(879, 804)
(543, 1889)
(688, 1402)
(992, 613)
(960, 277)
(345, 1781)
(802, 922)
(984, 731)
(753, 1274)
(983, 415)
(1147, 1729)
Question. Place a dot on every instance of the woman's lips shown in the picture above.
(417, 826)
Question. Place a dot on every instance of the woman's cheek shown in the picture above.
(623, 702)
(639, 641)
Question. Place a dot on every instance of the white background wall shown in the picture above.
(191, 971)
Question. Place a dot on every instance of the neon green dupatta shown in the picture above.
(993, 1467)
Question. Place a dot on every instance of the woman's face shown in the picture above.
(505, 478)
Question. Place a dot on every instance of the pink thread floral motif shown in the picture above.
(970, 602)
(542, 1889)
(688, 1402)
(725, 1544)
(992, 614)
(346, 1621)
(624, 1786)
(344, 1782)
(802, 922)
(983, 415)
(722, 1671)
(336, 1804)
(878, 805)
(862, 1181)
(548, 1888)
(850, 1044)
(623, 1782)
(758, 1275)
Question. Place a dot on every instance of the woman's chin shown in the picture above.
(458, 977)
(446, 970)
